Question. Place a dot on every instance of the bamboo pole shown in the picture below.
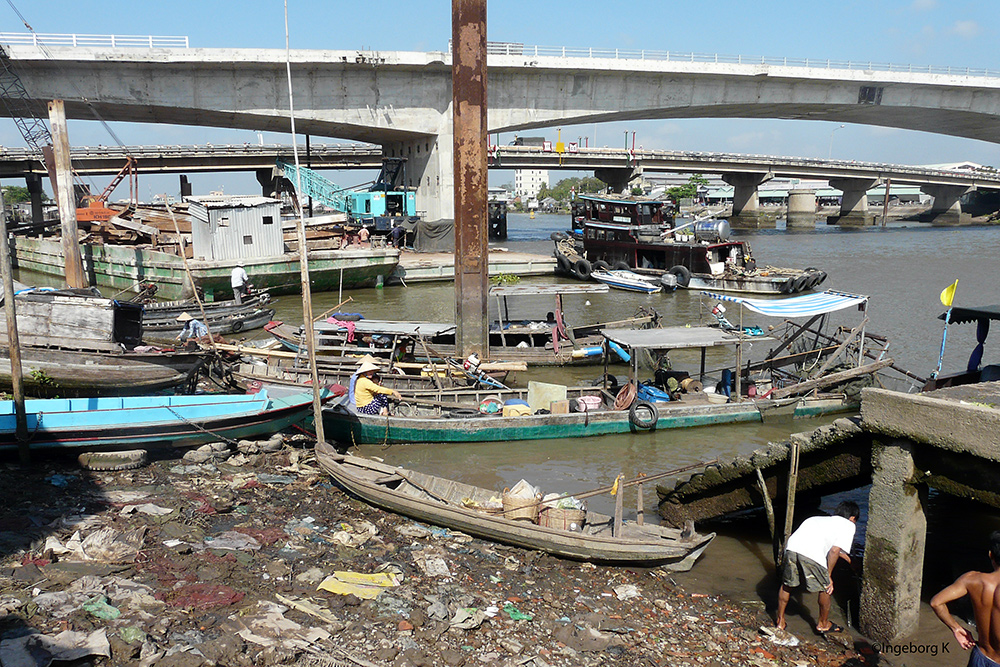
(10, 311)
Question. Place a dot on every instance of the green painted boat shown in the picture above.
(122, 268)
(417, 420)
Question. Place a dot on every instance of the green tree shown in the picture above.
(15, 194)
(690, 189)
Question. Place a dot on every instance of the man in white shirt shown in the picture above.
(810, 555)
(240, 282)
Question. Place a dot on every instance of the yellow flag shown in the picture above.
(614, 489)
(948, 294)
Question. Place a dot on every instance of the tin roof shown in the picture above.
(231, 201)
(672, 338)
(535, 290)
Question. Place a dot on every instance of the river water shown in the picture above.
(903, 268)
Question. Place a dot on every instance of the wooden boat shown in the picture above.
(444, 502)
(625, 280)
(144, 421)
(787, 382)
(77, 343)
(618, 234)
(159, 318)
(48, 372)
(546, 341)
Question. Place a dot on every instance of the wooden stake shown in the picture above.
(769, 511)
(20, 417)
(640, 510)
(793, 481)
(616, 529)
(75, 277)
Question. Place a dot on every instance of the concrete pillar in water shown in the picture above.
(854, 203)
(34, 185)
(746, 214)
(616, 178)
(801, 209)
(429, 169)
(894, 545)
(946, 208)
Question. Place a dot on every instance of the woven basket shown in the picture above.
(562, 519)
(520, 509)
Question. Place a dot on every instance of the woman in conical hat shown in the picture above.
(370, 397)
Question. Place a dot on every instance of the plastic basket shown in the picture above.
(562, 519)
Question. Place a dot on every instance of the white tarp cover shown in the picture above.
(805, 305)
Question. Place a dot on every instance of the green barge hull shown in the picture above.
(122, 268)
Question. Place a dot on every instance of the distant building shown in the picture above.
(498, 194)
(528, 182)
(234, 227)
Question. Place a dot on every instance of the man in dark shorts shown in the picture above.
(983, 589)
(810, 555)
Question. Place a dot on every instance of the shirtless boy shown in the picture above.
(983, 589)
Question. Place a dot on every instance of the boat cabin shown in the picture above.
(975, 371)
(589, 208)
(645, 247)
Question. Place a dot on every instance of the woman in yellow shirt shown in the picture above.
(370, 397)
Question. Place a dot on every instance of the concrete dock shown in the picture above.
(415, 267)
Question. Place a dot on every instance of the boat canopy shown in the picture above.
(966, 315)
(672, 338)
(391, 328)
(550, 289)
(805, 305)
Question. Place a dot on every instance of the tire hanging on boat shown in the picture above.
(800, 283)
(583, 269)
(237, 326)
(643, 414)
(601, 265)
(563, 264)
(682, 273)
(786, 287)
(621, 266)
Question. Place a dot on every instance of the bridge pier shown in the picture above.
(269, 185)
(429, 168)
(746, 214)
(34, 184)
(616, 178)
(894, 544)
(854, 203)
(801, 210)
(946, 209)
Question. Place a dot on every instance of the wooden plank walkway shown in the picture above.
(440, 266)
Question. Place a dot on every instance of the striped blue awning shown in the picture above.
(805, 305)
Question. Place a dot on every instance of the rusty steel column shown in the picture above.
(468, 81)
(64, 196)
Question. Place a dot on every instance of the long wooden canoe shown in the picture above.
(451, 504)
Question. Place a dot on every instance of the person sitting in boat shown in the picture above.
(193, 329)
(370, 397)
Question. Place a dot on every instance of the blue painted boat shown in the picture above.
(626, 280)
(145, 421)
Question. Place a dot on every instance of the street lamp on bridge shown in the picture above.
(829, 154)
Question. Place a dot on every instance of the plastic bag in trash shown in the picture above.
(523, 490)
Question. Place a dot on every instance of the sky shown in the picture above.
(958, 33)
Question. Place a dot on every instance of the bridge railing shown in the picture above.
(113, 41)
(515, 49)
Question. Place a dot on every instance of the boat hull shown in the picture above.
(124, 267)
(145, 421)
(68, 373)
(343, 426)
(648, 545)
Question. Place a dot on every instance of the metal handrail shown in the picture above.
(113, 41)
(515, 49)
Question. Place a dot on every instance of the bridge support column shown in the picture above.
(429, 169)
(34, 185)
(894, 545)
(617, 179)
(268, 181)
(801, 211)
(946, 209)
(746, 214)
(854, 203)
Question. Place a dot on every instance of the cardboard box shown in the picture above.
(560, 407)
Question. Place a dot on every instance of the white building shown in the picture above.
(528, 182)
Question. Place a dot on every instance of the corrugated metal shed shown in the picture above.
(234, 227)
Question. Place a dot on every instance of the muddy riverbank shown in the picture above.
(218, 559)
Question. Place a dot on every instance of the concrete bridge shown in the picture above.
(614, 165)
(402, 100)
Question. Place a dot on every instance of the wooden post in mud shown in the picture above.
(769, 511)
(640, 510)
(616, 528)
(20, 417)
(75, 277)
(793, 481)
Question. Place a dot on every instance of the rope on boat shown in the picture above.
(201, 428)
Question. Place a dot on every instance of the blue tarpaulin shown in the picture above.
(805, 305)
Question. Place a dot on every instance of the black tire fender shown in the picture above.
(643, 414)
(583, 269)
(611, 381)
(463, 413)
(786, 287)
(563, 264)
(601, 265)
(683, 275)
(237, 326)
(558, 236)
(800, 284)
(621, 265)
